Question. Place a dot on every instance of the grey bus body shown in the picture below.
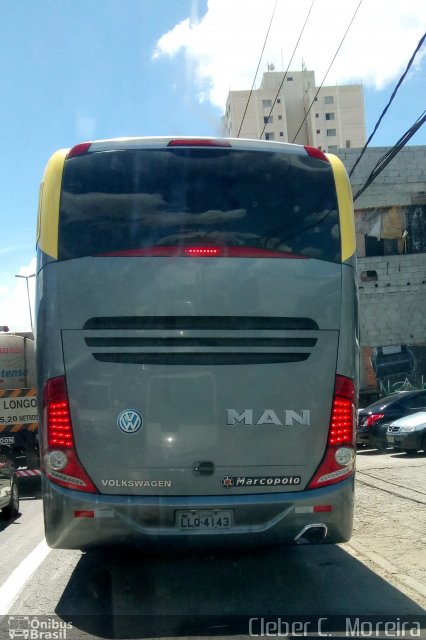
(200, 387)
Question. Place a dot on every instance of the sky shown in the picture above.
(77, 70)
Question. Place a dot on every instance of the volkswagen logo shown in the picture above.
(129, 421)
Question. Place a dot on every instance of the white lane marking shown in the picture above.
(10, 589)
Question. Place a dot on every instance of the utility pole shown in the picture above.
(29, 301)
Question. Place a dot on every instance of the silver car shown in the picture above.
(409, 433)
(9, 493)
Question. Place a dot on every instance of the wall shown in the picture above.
(393, 306)
(390, 218)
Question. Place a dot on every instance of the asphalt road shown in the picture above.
(126, 594)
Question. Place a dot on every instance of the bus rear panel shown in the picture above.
(197, 337)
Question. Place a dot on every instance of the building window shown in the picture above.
(330, 116)
(281, 134)
(317, 115)
(369, 276)
(331, 132)
(348, 144)
(280, 117)
(416, 229)
(266, 104)
(278, 100)
(328, 99)
(290, 79)
(375, 247)
(318, 130)
(269, 136)
(268, 119)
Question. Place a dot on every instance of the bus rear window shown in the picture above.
(115, 201)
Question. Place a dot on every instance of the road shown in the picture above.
(108, 594)
(390, 517)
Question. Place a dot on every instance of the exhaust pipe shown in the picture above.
(312, 534)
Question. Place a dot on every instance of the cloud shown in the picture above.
(221, 50)
(85, 127)
(14, 310)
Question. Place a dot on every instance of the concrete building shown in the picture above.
(390, 218)
(278, 108)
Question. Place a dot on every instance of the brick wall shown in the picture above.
(401, 183)
(393, 300)
(393, 307)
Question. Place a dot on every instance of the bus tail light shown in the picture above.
(338, 462)
(313, 152)
(204, 251)
(59, 459)
(79, 150)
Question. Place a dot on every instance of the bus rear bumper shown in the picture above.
(74, 520)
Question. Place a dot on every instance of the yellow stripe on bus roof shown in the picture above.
(346, 207)
(50, 193)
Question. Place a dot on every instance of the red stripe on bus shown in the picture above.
(202, 252)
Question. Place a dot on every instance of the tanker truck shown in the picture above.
(18, 401)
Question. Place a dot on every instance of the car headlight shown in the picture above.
(407, 429)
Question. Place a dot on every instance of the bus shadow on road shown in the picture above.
(126, 594)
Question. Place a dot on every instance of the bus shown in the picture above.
(197, 344)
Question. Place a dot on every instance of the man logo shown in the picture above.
(129, 421)
(286, 418)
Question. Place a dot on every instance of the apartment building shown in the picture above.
(280, 110)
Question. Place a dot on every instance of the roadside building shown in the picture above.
(390, 219)
(280, 110)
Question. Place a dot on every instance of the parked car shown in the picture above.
(409, 433)
(9, 493)
(374, 420)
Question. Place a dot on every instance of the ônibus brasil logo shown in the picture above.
(129, 421)
(38, 628)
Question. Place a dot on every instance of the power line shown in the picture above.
(394, 92)
(258, 65)
(331, 63)
(286, 72)
(391, 153)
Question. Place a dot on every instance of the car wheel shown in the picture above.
(12, 509)
(410, 452)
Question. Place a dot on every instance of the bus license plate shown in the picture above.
(202, 520)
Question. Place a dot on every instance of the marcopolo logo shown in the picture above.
(228, 482)
(38, 628)
(259, 481)
(129, 421)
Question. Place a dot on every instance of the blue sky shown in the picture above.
(73, 70)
